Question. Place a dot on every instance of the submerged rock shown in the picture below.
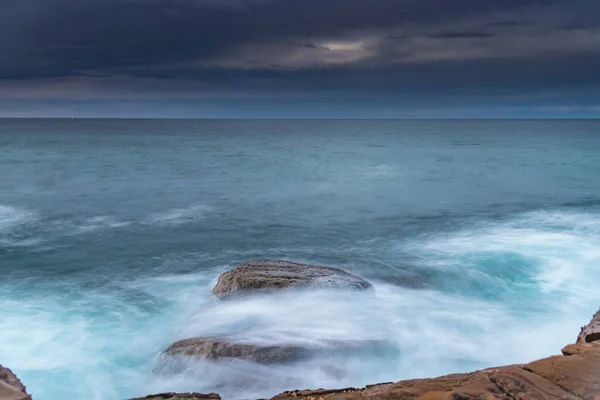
(217, 348)
(214, 348)
(264, 276)
(11, 387)
(591, 332)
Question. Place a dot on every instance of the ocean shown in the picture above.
(481, 238)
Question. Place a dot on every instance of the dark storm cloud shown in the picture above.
(577, 27)
(460, 35)
(396, 51)
(508, 24)
(66, 37)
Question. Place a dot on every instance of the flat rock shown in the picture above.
(218, 348)
(264, 276)
(591, 332)
(576, 371)
(499, 384)
(11, 387)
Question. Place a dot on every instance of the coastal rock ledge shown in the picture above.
(11, 387)
(574, 375)
(265, 276)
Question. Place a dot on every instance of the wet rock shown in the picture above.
(264, 276)
(218, 348)
(11, 387)
(591, 332)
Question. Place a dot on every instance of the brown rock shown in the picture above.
(217, 348)
(11, 387)
(578, 372)
(501, 383)
(264, 276)
(591, 332)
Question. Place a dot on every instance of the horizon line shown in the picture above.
(313, 118)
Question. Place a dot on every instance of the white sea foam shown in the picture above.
(178, 216)
(105, 343)
(99, 223)
(428, 333)
(171, 217)
(562, 248)
(11, 217)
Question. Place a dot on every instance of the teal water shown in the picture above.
(482, 239)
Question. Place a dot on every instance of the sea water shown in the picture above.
(481, 238)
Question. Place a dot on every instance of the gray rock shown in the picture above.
(218, 348)
(264, 276)
(591, 332)
(11, 387)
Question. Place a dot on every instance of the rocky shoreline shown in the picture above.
(573, 375)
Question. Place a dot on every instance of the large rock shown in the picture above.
(591, 332)
(11, 387)
(217, 348)
(265, 276)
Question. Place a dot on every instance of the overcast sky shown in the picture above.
(300, 58)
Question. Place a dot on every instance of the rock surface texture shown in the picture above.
(264, 276)
(217, 348)
(591, 332)
(574, 375)
(11, 387)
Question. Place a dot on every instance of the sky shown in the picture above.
(300, 58)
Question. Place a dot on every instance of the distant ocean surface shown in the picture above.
(482, 239)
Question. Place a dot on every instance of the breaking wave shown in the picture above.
(502, 286)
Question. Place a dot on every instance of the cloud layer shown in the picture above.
(199, 49)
